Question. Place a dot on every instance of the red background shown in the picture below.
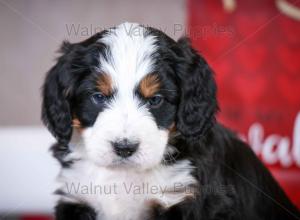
(255, 52)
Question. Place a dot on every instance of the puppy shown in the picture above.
(133, 112)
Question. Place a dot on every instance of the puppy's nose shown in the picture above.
(125, 148)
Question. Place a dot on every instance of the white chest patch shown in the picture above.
(126, 194)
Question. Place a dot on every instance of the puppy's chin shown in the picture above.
(127, 163)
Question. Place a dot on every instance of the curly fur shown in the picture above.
(228, 179)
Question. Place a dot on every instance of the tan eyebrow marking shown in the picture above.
(104, 84)
(149, 85)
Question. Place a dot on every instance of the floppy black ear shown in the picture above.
(198, 104)
(56, 113)
(58, 88)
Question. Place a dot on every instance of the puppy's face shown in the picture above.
(123, 90)
(127, 103)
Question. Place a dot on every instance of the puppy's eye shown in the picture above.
(155, 101)
(98, 98)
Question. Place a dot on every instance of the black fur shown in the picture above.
(60, 84)
(72, 211)
(198, 105)
(232, 182)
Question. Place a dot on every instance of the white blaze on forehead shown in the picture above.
(129, 59)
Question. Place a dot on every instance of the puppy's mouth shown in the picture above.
(121, 163)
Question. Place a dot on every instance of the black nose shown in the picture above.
(125, 148)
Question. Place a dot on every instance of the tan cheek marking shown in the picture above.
(104, 84)
(172, 128)
(149, 85)
(77, 125)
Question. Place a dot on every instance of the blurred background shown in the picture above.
(253, 46)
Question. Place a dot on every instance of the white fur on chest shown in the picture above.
(124, 193)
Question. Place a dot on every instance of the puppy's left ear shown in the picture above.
(198, 104)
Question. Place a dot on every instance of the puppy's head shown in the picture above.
(125, 90)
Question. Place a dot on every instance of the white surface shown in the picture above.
(27, 170)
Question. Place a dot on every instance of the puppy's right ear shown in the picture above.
(56, 113)
(58, 89)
